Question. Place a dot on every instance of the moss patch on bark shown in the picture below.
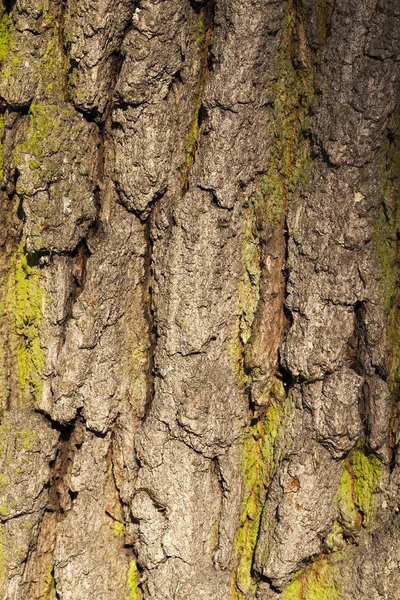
(258, 467)
(25, 308)
(135, 592)
(289, 163)
(316, 582)
(355, 496)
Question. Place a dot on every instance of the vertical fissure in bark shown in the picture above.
(148, 284)
(267, 381)
(205, 27)
(387, 240)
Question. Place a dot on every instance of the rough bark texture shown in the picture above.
(199, 299)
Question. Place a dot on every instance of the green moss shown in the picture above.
(293, 591)
(6, 35)
(53, 66)
(119, 528)
(8, 57)
(258, 466)
(387, 248)
(249, 293)
(358, 483)
(27, 438)
(135, 592)
(4, 480)
(316, 582)
(367, 471)
(203, 42)
(49, 585)
(25, 302)
(289, 163)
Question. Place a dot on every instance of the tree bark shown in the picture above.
(199, 299)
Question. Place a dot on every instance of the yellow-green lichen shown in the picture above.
(44, 121)
(25, 305)
(28, 439)
(119, 528)
(316, 582)
(47, 17)
(49, 585)
(258, 465)
(358, 484)
(135, 592)
(7, 41)
(367, 471)
(9, 59)
(289, 163)
(387, 248)
(52, 69)
(249, 293)
(293, 591)
(203, 41)
(289, 166)
(50, 126)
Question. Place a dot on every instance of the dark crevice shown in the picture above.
(357, 343)
(149, 315)
(323, 154)
(287, 378)
(206, 14)
(20, 209)
(9, 5)
(71, 437)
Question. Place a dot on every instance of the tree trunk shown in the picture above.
(199, 300)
